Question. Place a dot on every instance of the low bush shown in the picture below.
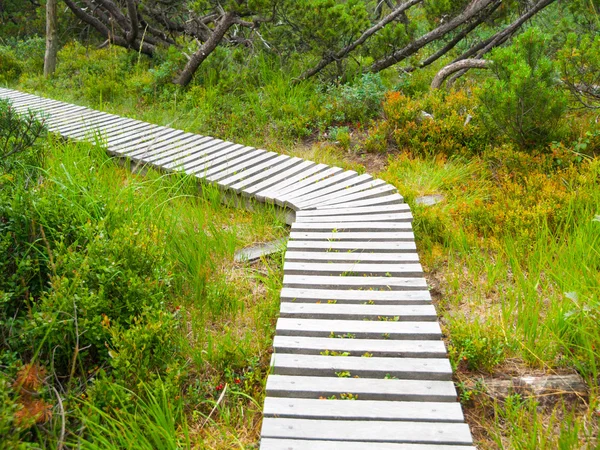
(434, 124)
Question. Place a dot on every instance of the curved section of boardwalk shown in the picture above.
(358, 358)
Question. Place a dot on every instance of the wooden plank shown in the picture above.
(379, 191)
(66, 115)
(178, 160)
(276, 193)
(103, 127)
(243, 177)
(130, 134)
(311, 295)
(283, 178)
(301, 444)
(362, 367)
(387, 200)
(148, 136)
(310, 203)
(359, 182)
(169, 152)
(308, 408)
(350, 226)
(240, 167)
(219, 151)
(364, 388)
(286, 166)
(420, 313)
(353, 268)
(119, 132)
(227, 160)
(357, 211)
(61, 121)
(353, 246)
(352, 282)
(372, 258)
(359, 347)
(393, 217)
(146, 145)
(70, 124)
(262, 192)
(369, 431)
(294, 193)
(358, 328)
(95, 127)
(354, 236)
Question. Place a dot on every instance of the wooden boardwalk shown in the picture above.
(356, 318)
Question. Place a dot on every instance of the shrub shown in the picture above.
(446, 133)
(10, 67)
(522, 100)
(579, 61)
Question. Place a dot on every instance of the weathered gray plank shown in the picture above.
(350, 226)
(67, 125)
(364, 388)
(275, 194)
(224, 153)
(230, 158)
(170, 152)
(252, 161)
(387, 200)
(341, 187)
(354, 236)
(301, 444)
(363, 367)
(364, 296)
(282, 178)
(353, 268)
(308, 408)
(365, 257)
(353, 246)
(375, 192)
(259, 173)
(359, 347)
(421, 313)
(296, 194)
(392, 217)
(177, 160)
(352, 282)
(358, 328)
(357, 211)
(149, 143)
(263, 191)
(369, 431)
(307, 203)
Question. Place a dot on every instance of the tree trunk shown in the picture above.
(438, 80)
(206, 49)
(51, 38)
(475, 7)
(361, 40)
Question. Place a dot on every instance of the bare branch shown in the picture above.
(438, 80)
(472, 10)
(361, 40)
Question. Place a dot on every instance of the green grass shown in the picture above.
(144, 374)
(518, 288)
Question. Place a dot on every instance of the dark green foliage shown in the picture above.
(10, 67)
(523, 101)
(17, 138)
(579, 61)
